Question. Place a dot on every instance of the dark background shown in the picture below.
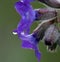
(10, 45)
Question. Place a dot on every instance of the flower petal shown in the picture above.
(26, 11)
(31, 43)
(37, 53)
(20, 7)
(27, 45)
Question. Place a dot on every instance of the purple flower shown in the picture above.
(26, 11)
(31, 42)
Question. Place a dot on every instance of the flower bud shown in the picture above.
(51, 36)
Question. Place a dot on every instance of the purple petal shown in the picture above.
(30, 43)
(23, 9)
(20, 7)
(27, 45)
(24, 25)
(37, 53)
(28, 38)
(26, 12)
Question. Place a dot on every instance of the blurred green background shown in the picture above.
(10, 45)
